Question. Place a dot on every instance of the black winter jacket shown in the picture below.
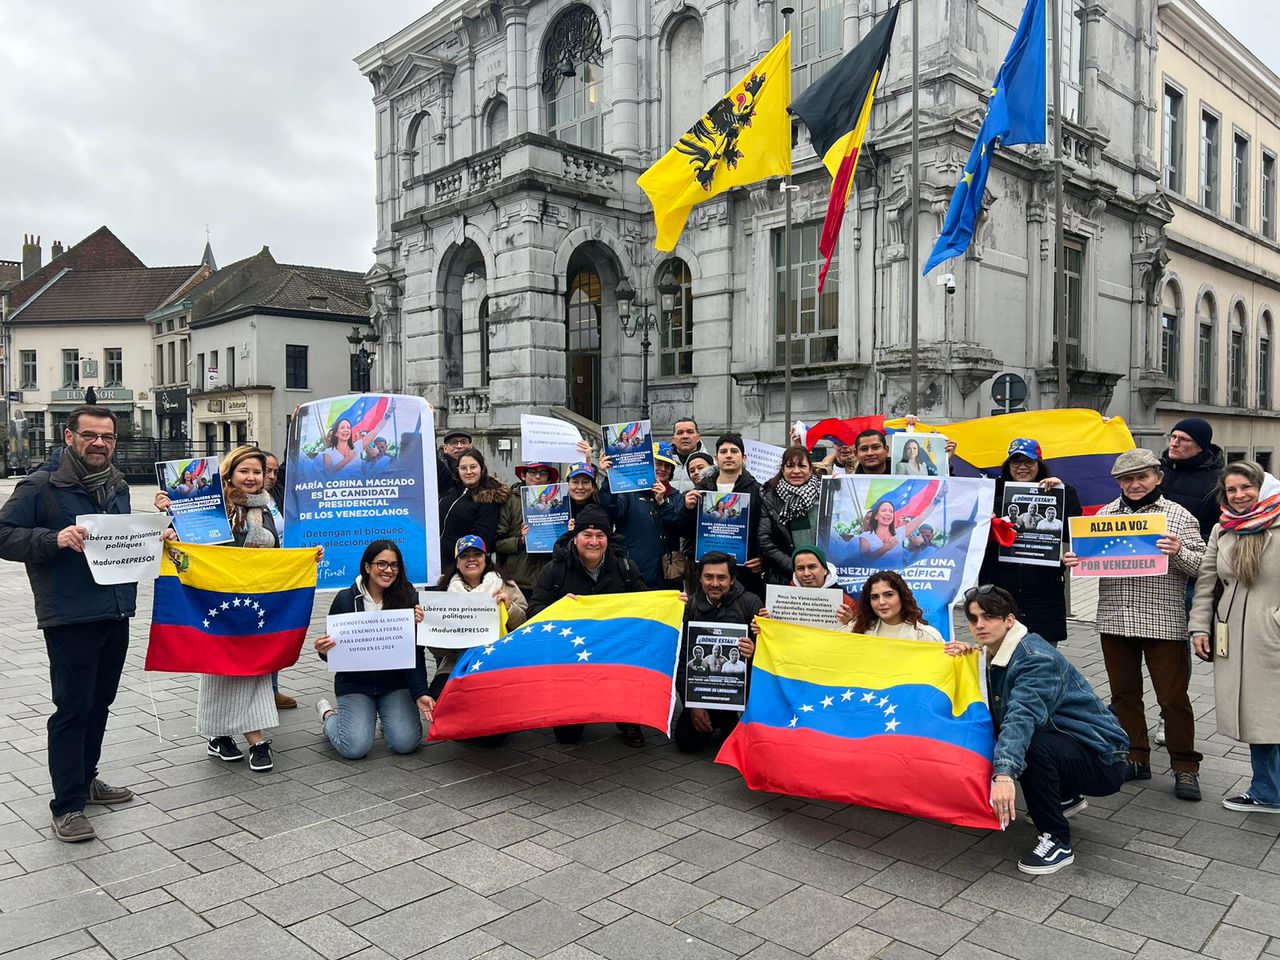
(774, 535)
(60, 579)
(375, 683)
(739, 605)
(1193, 484)
(469, 512)
(565, 574)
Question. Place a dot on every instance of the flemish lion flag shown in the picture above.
(744, 138)
(837, 110)
(230, 612)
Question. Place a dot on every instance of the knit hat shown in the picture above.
(1135, 461)
(469, 542)
(699, 455)
(815, 550)
(1198, 430)
(592, 518)
(1025, 447)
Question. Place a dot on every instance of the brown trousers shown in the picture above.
(1170, 669)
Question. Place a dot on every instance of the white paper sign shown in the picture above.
(371, 640)
(123, 547)
(807, 606)
(455, 621)
(548, 440)
(764, 460)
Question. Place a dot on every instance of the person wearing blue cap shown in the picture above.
(1039, 591)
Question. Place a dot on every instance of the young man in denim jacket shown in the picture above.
(1053, 734)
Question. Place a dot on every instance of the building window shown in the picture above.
(495, 122)
(1206, 321)
(815, 319)
(184, 374)
(1264, 361)
(1170, 322)
(484, 342)
(1263, 459)
(159, 371)
(1209, 160)
(35, 432)
(817, 34)
(359, 374)
(572, 69)
(114, 357)
(1073, 278)
(27, 370)
(1268, 195)
(173, 363)
(182, 322)
(1240, 179)
(1236, 387)
(677, 337)
(1174, 127)
(199, 371)
(230, 371)
(295, 366)
(158, 326)
(70, 368)
(1073, 60)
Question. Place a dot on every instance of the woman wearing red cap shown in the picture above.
(517, 563)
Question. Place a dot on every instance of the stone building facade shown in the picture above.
(509, 137)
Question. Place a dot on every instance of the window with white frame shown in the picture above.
(28, 372)
(1210, 159)
(1173, 142)
(71, 368)
(1268, 218)
(815, 318)
(1170, 321)
(1073, 60)
(114, 363)
(1264, 360)
(1236, 385)
(1206, 326)
(817, 36)
(1240, 179)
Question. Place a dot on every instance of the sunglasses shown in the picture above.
(980, 591)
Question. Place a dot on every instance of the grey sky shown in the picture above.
(157, 118)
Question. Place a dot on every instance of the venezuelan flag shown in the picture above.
(894, 724)
(843, 432)
(363, 412)
(609, 658)
(230, 612)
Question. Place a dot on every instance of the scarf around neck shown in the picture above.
(247, 510)
(1263, 515)
(1137, 505)
(797, 501)
(100, 484)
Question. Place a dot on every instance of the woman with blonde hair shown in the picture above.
(1234, 623)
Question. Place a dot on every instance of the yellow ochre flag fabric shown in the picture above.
(744, 138)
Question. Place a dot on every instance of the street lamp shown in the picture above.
(645, 322)
(364, 348)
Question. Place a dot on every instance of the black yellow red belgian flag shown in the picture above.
(837, 110)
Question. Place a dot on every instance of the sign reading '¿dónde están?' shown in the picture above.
(1123, 545)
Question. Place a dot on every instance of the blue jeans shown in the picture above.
(352, 728)
(1266, 773)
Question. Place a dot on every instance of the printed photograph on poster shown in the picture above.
(724, 524)
(933, 531)
(1119, 546)
(629, 446)
(1036, 517)
(918, 455)
(194, 488)
(371, 640)
(546, 514)
(715, 670)
(361, 468)
(806, 606)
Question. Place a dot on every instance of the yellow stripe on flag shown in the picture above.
(664, 606)
(1061, 433)
(853, 140)
(238, 570)
(833, 658)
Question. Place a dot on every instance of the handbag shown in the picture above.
(673, 565)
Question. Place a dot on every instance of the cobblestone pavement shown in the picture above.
(538, 850)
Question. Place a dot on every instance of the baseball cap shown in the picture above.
(1025, 447)
(469, 542)
(581, 470)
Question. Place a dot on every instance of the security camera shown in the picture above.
(948, 281)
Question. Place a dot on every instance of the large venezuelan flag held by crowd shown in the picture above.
(602, 659)
(220, 611)
(894, 724)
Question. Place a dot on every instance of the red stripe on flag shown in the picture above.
(176, 649)
(835, 212)
(912, 775)
(531, 698)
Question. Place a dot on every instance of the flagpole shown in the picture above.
(785, 187)
(1059, 287)
(914, 266)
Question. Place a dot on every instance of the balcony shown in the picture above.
(529, 161)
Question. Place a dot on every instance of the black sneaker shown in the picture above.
(73, 827)
(1049, 856)
(632, 734)
(100, 792)
(224, 748)
(1073, 805)
(1137, 771)
(260, 756)
(1186, 785)
(1247, 804)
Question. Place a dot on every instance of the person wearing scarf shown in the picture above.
(1143, 618)
(1234, 624)
(788, 514)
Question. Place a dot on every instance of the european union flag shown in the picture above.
(1015, 114)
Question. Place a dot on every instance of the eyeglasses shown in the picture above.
(385, 565)
(88, 436)
(1180, 438)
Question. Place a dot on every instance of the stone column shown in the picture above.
(623, 82)
(517, 22)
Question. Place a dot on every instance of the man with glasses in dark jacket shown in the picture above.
(86, 626)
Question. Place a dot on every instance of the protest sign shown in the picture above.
(933, 531)
(372, 640)
(456, 621)
(630, 447)
(764, 460)
(546, 513)
(715, 675)
(918, 454)
(362, 468)
(806, 606)
(123, 547)
(1036, 517)
(194, 488)
(548, 440)
(724, 524)
(1123, 545)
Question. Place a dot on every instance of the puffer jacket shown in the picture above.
(1193, 483)
(468, 512)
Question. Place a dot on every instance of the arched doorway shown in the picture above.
(583, 307)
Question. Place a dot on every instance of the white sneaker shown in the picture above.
(323, 709)
(1159, 739)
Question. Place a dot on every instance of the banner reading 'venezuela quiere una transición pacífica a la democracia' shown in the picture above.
(358, 470)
